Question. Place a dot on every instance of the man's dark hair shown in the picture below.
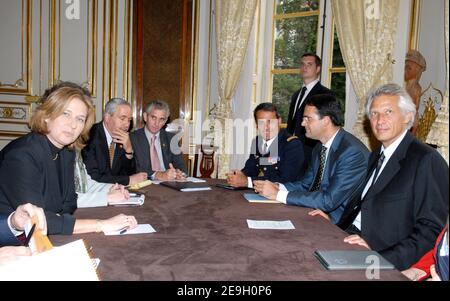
(327, 105)
(267, 107)
(316, 57)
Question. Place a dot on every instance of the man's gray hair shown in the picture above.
(158, 105)
(405, 102)
(111, 105)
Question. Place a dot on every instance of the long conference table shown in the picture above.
(203, 235)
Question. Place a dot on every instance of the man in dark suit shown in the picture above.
(404, 203)
(109, 154)
(154, 151)
(310, 67)
(338, 165)
(275, 155)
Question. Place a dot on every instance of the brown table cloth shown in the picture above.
(204, 236)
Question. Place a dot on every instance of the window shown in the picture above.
(295, 33)
(337, 71)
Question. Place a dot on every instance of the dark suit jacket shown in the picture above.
(6, 236)
(406, 208)
(96, 159)
(141, 148)
(28, 174)
(294, 126)
(286, 164)
(342, 178)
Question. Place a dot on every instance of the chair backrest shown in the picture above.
(429, 107)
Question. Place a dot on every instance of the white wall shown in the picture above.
(83, 49)
(431, 43)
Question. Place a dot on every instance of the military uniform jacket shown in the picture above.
(283, 163)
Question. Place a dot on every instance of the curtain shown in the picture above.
(366, 31)
(439, 131)
(234, 20)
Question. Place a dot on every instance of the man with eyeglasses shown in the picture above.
(310, 67)
(338, 166)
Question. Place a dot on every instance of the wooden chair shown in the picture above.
(207, 162)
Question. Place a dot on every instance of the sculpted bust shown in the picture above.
(415, 64)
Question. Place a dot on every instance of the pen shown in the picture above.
(30, 234)
(123, 231)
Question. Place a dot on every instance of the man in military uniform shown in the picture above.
(275, 156)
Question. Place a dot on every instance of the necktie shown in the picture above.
(299, 100)
(354, 207)
(112, 147)
(294, 126)
(154, 155)
(265, 148)
(377, 170)
(318, 178)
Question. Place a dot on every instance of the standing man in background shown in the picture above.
(310, 67)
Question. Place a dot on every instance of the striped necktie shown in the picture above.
(112, 148)
(318, 178)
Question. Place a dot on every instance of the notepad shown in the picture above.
(229, 187)
(188, 179)
(352, 260)
(272, 225)
(256, 198)
(134, 200)
(140, 229)
(71, 261)
(139, 185)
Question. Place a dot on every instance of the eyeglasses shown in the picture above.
(308, 119)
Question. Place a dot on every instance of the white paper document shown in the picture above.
(134, 200)
(195, 180)
(140, 229)
(188, 179)
(71, 261)
(274, 225)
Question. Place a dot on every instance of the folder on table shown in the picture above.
(186, 186)
(256, 198)
(352, 260)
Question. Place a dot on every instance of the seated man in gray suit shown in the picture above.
(338, 163)
(152, 146)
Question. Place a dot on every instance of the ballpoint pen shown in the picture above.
(123, 231)
(30, 234)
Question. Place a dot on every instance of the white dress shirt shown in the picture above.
(14, 231)
(158, 149)
(109, 138)
(388, 152)
(308, 89)
(283, 192)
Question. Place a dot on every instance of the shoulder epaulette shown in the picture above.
(292, 138)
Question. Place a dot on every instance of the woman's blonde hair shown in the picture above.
(55, 101)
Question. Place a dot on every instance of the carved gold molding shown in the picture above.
(92, 44)
(14, 112)
(12, 134)
(23, 85)
(414, 32)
